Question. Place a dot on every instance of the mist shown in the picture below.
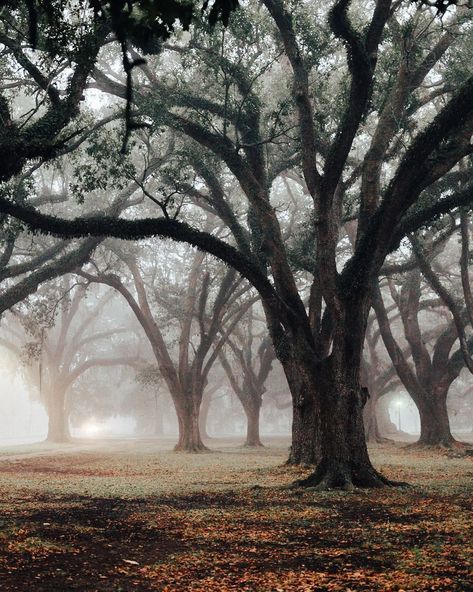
(236, 302)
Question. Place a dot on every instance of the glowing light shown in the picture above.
(399, 403)
(92, 429)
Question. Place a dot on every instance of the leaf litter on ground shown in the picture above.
(135, 516)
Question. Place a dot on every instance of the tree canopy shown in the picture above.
(360, 120)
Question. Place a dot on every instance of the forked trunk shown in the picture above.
(58, 424)
(344, 456)
(252, 412)
(434, 422)
(344, 460)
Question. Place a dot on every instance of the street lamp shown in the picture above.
(399, 404)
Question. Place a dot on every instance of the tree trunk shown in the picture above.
(204, 414)
(252, 412)
(370, 423)
(58, 425)
(386, 426)
(305, 444)
(328, 400)
(370, 420)
(434, 422)
(344, 460)
(189, 432)
(344, 456)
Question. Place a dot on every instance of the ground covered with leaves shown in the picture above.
(134, 516)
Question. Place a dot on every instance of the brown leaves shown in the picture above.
(155, 521)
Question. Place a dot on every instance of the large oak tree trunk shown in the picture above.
(434, 421)
(305, 444)
(344, 460)
(252, 412)
(344, 456)
(58, 424)
(188, 421)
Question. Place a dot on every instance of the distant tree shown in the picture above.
(149, 392)
(26, 263)
(65, 339)
(367, 160)
(434, 365)
(187, 319)
(247, 360)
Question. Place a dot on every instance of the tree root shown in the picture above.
(192, 449)
(440, 446)
(384, 440)
(305, 464)
(329, 476)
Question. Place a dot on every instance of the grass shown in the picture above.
(135, 516)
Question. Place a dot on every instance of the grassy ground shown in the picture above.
(132, 515)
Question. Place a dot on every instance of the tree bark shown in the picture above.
(252, 412)
(58, 425)
(305, 443)
(189, 433)
(434, 422)
(344, 459)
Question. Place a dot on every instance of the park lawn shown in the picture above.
(135, 516)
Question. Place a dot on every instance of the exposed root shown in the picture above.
(252, 446)
(192, 449)
(301, 462)
(329, 476)
(439, 446)
(384, 440)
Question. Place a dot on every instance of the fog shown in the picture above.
(79, 361)
(230, 330)
(236, 298)
(22, 420)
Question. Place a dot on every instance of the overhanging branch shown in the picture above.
(107, 226)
